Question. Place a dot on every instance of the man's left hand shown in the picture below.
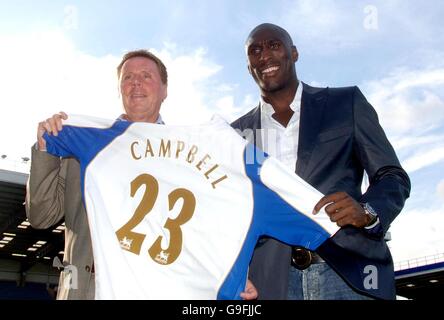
(343, 209)
(250, 292)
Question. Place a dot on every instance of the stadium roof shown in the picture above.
(18, 240)
(421, 278)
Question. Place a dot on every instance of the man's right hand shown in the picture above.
(51, 125)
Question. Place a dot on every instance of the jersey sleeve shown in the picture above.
(82, 137)
(284, 203)
(64, 144)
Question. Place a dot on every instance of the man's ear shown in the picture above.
(165, 92)
(249, 69)
(294, 53)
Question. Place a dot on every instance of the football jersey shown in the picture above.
(175, 212)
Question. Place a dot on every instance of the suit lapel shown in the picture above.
(312, 110)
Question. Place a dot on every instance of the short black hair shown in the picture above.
(271, 26)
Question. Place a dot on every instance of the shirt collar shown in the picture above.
(295, 105)
(159, 120)
(123, 117)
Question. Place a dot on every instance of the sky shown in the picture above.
(62, 56)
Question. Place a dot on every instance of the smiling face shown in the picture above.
(271, 58)
(142, 89)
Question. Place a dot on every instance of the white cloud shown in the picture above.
(44, 73)
(417, 233)
(226, 107)
(327, 26)
(322, 22)
(408, 100)
(189, 86)
(194, 93)
(440, 189)
(410, 106)
(424, 158)
(417, 141)
(403, 19)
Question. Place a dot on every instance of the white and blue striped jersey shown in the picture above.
(175, 211)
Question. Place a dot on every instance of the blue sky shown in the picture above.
(62, 56)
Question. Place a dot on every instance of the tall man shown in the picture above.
(329, 137)
(54, 184)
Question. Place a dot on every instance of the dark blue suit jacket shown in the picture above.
(339, 138)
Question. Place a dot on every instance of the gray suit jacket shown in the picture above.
(339, 138)
(53, 193)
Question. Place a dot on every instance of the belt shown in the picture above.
(302, 258)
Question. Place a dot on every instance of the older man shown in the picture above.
(54, 184)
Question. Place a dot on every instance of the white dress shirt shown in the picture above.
(277, 140)
(282, 142)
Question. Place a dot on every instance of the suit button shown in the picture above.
(88, 268)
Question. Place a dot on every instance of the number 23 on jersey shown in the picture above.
(132, 241)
